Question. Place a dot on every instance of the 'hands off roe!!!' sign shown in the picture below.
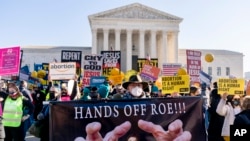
(62, 71)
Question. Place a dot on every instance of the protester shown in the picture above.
(39, 96)
(64, 93)
(94, 93)
(104, 90)
(119, 92)
(154, 90)
(24, 90)
(215, 120)
(226, 108)
(134, 87)
(174, 132)
(14, 114)
(243, 118)
(85, 95)
(194, 91)
(43, 116)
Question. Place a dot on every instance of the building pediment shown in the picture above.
(136, 11)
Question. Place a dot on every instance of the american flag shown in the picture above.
(170, 69)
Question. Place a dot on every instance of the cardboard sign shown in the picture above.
(62, 71)
(171, 84)
(231, 86)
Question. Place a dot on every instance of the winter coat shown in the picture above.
(242, 118)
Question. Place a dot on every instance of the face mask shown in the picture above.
(52, 95)
(136, 91)
(64, 93)
(236, 102)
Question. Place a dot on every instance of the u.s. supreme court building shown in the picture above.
(137, 31)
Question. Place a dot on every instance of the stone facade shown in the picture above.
(136, 30)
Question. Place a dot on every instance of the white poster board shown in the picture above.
(62, 71)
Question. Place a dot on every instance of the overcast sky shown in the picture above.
(207, 24)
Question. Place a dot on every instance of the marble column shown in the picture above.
(153, 44)
(164, 47)
(175, 46)
(105, 39)
(141, 44)
(118, 39)
(94, 41)
(129, 50)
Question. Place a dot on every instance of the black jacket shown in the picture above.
(242, 118)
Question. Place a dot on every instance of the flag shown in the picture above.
(205, 78)
(170, 69)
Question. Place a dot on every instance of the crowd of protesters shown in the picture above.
(21, 106)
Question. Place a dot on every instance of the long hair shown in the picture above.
(246, 103)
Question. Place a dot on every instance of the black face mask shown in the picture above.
(52, 95)
(236, 102)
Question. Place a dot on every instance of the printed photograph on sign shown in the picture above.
(133, 114)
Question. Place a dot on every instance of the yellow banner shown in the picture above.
(231, 86)
(171, 84)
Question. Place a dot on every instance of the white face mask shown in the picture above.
(136, 91)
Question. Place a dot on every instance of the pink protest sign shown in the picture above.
(9, 60)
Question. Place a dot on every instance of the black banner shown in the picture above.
(69, 119)
(72, 56)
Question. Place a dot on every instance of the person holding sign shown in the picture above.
(135, 87)
(174, 132)
(227, 107)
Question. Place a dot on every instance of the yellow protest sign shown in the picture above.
(231, 86)
(171, 84)
(116, 79)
